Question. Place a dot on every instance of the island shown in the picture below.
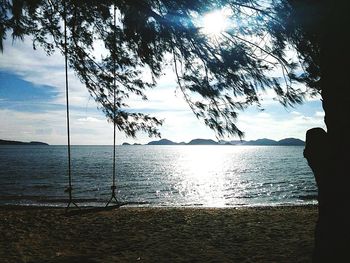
(202, 142)
(162, 142)
(264, 141)
(291, 141)
(258, 142)
(8, 142)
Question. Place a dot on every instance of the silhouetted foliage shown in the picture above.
(217, 75)
(299, 23)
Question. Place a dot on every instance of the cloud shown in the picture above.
(296, 113)
(278, 126)
(319, 114)
(90, 120)
(41, 132)
(27, 126)
(36, 67)
(89, 126)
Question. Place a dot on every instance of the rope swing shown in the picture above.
(113, 187)
(69, 188)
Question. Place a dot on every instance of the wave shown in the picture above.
(307, 197)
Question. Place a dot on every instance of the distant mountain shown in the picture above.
(233, 142)
(291, 141)
(192, 142)
(237, 142)
(162, 142)
(283, 142)
(202, 142)
(125, 143)
(261, 142)
(6, 142)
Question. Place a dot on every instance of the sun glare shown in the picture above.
(216, 22)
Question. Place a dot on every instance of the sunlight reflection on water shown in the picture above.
(213, 176)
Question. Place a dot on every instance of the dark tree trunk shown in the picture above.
(332, 233)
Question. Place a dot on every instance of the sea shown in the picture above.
(157, 176)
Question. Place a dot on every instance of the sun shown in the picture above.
(215, 23)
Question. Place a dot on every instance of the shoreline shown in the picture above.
(147, 205)
(149, 234)
(62, 203)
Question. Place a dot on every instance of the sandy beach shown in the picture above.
(129, 234)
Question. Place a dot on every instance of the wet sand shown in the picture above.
(270, 234)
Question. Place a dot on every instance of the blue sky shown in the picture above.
(21, 95)
(32, 107)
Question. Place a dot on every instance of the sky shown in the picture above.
(32, 107)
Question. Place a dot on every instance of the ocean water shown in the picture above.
(209, 176)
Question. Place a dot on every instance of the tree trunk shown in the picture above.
(332, 234)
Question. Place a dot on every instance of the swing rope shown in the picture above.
(113, 187)
(69, 188)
